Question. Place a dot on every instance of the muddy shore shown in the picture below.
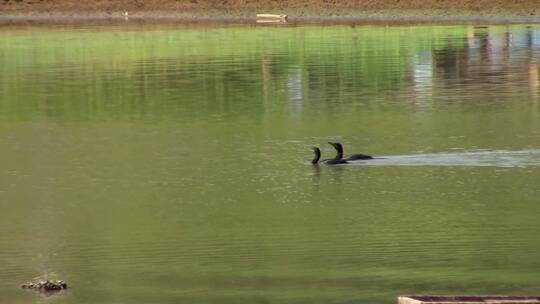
(302, 11)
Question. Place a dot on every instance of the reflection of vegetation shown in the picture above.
(87, 74)
(229, 72)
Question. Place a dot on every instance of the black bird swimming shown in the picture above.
(334, 161)
(339, 155)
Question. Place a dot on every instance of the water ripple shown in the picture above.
(491, 158)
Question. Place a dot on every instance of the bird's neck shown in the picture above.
(339, 154)
(316, 158)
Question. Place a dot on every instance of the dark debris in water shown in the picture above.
(46, 286)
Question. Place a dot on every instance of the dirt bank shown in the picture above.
(445, 9)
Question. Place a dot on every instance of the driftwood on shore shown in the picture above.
(271, 18)
(495, 299)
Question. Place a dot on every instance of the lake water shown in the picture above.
(171, 164)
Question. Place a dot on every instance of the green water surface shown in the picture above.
(171, 164)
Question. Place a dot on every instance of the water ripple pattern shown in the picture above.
(496, 158)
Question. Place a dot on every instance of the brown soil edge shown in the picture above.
(388, 20)
(244, 11)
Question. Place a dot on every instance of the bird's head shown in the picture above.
(336, 145)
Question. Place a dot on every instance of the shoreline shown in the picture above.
(244, 11)
(164, 18)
